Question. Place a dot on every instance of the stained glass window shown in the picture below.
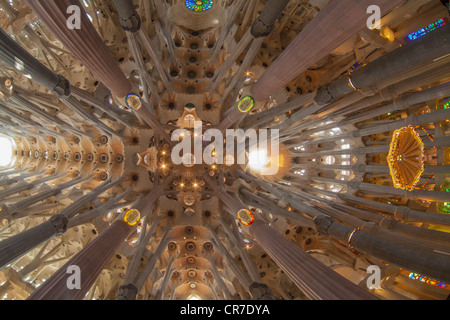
(199, 5)
(427, 29)
(427, 280)
(447, 104)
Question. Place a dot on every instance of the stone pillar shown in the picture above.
(261, 118)
(16, 246)
(71, 210)
(312, 277)
(24, 103)
(141, 278)
(91, 260)
(109, 206)
(400, 212)
(401, 102)
(236, 52)
(11, 11)
(27, 122)
(398, 65)
(238, 79)
(414, 120)
(129, 18)
(240, 275)
(269, 16)
(85, 44)
(332, 26)
(411, 195)
(16, 210)
(414, 259)
(143, 241)
(237, 7)
(27, 186)
(8, 182)
(277, 210)
(165, 280)
(219, 280)
(14, 56)
(124, 117)
(232, 117)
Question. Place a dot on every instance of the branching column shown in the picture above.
(84, 43)
(332, 26)
(315, 279)
(91, 261)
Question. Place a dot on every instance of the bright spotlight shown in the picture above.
(258, 159)
(6, 151)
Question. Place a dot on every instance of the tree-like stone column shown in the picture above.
(91, 261)
(269, 16)
(315, 279)
(332, 26)
(84, 43)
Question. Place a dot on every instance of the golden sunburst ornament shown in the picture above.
(406, 158)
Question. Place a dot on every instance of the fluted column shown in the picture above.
(277, 210)
(232, 117)
(269, 16)
(403, 63)
(400, 212)
(91, 261)
(129, 18)
(414, 259)
(411, 195)
(16, 210)
(165, 281)
(240, 275)
(8, 182)
(14, 56)
(128, 289)
(141, 278)
(27, 186)
(312, 277)
(85, 43)
(332, 26)
(16, 246)
(219, 280)
(20, 99)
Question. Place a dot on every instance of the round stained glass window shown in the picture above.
(246, 104)
(199, 5)
(132, 217)
(133, 101)
(246, 217)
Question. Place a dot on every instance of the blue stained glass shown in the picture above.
(199, 5)
(431, 27)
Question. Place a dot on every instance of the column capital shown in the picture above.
(260, 291)
(60, 223)
(62, 88)
(260, 29)
(132, 24)
(323, 223)
(127, 292)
